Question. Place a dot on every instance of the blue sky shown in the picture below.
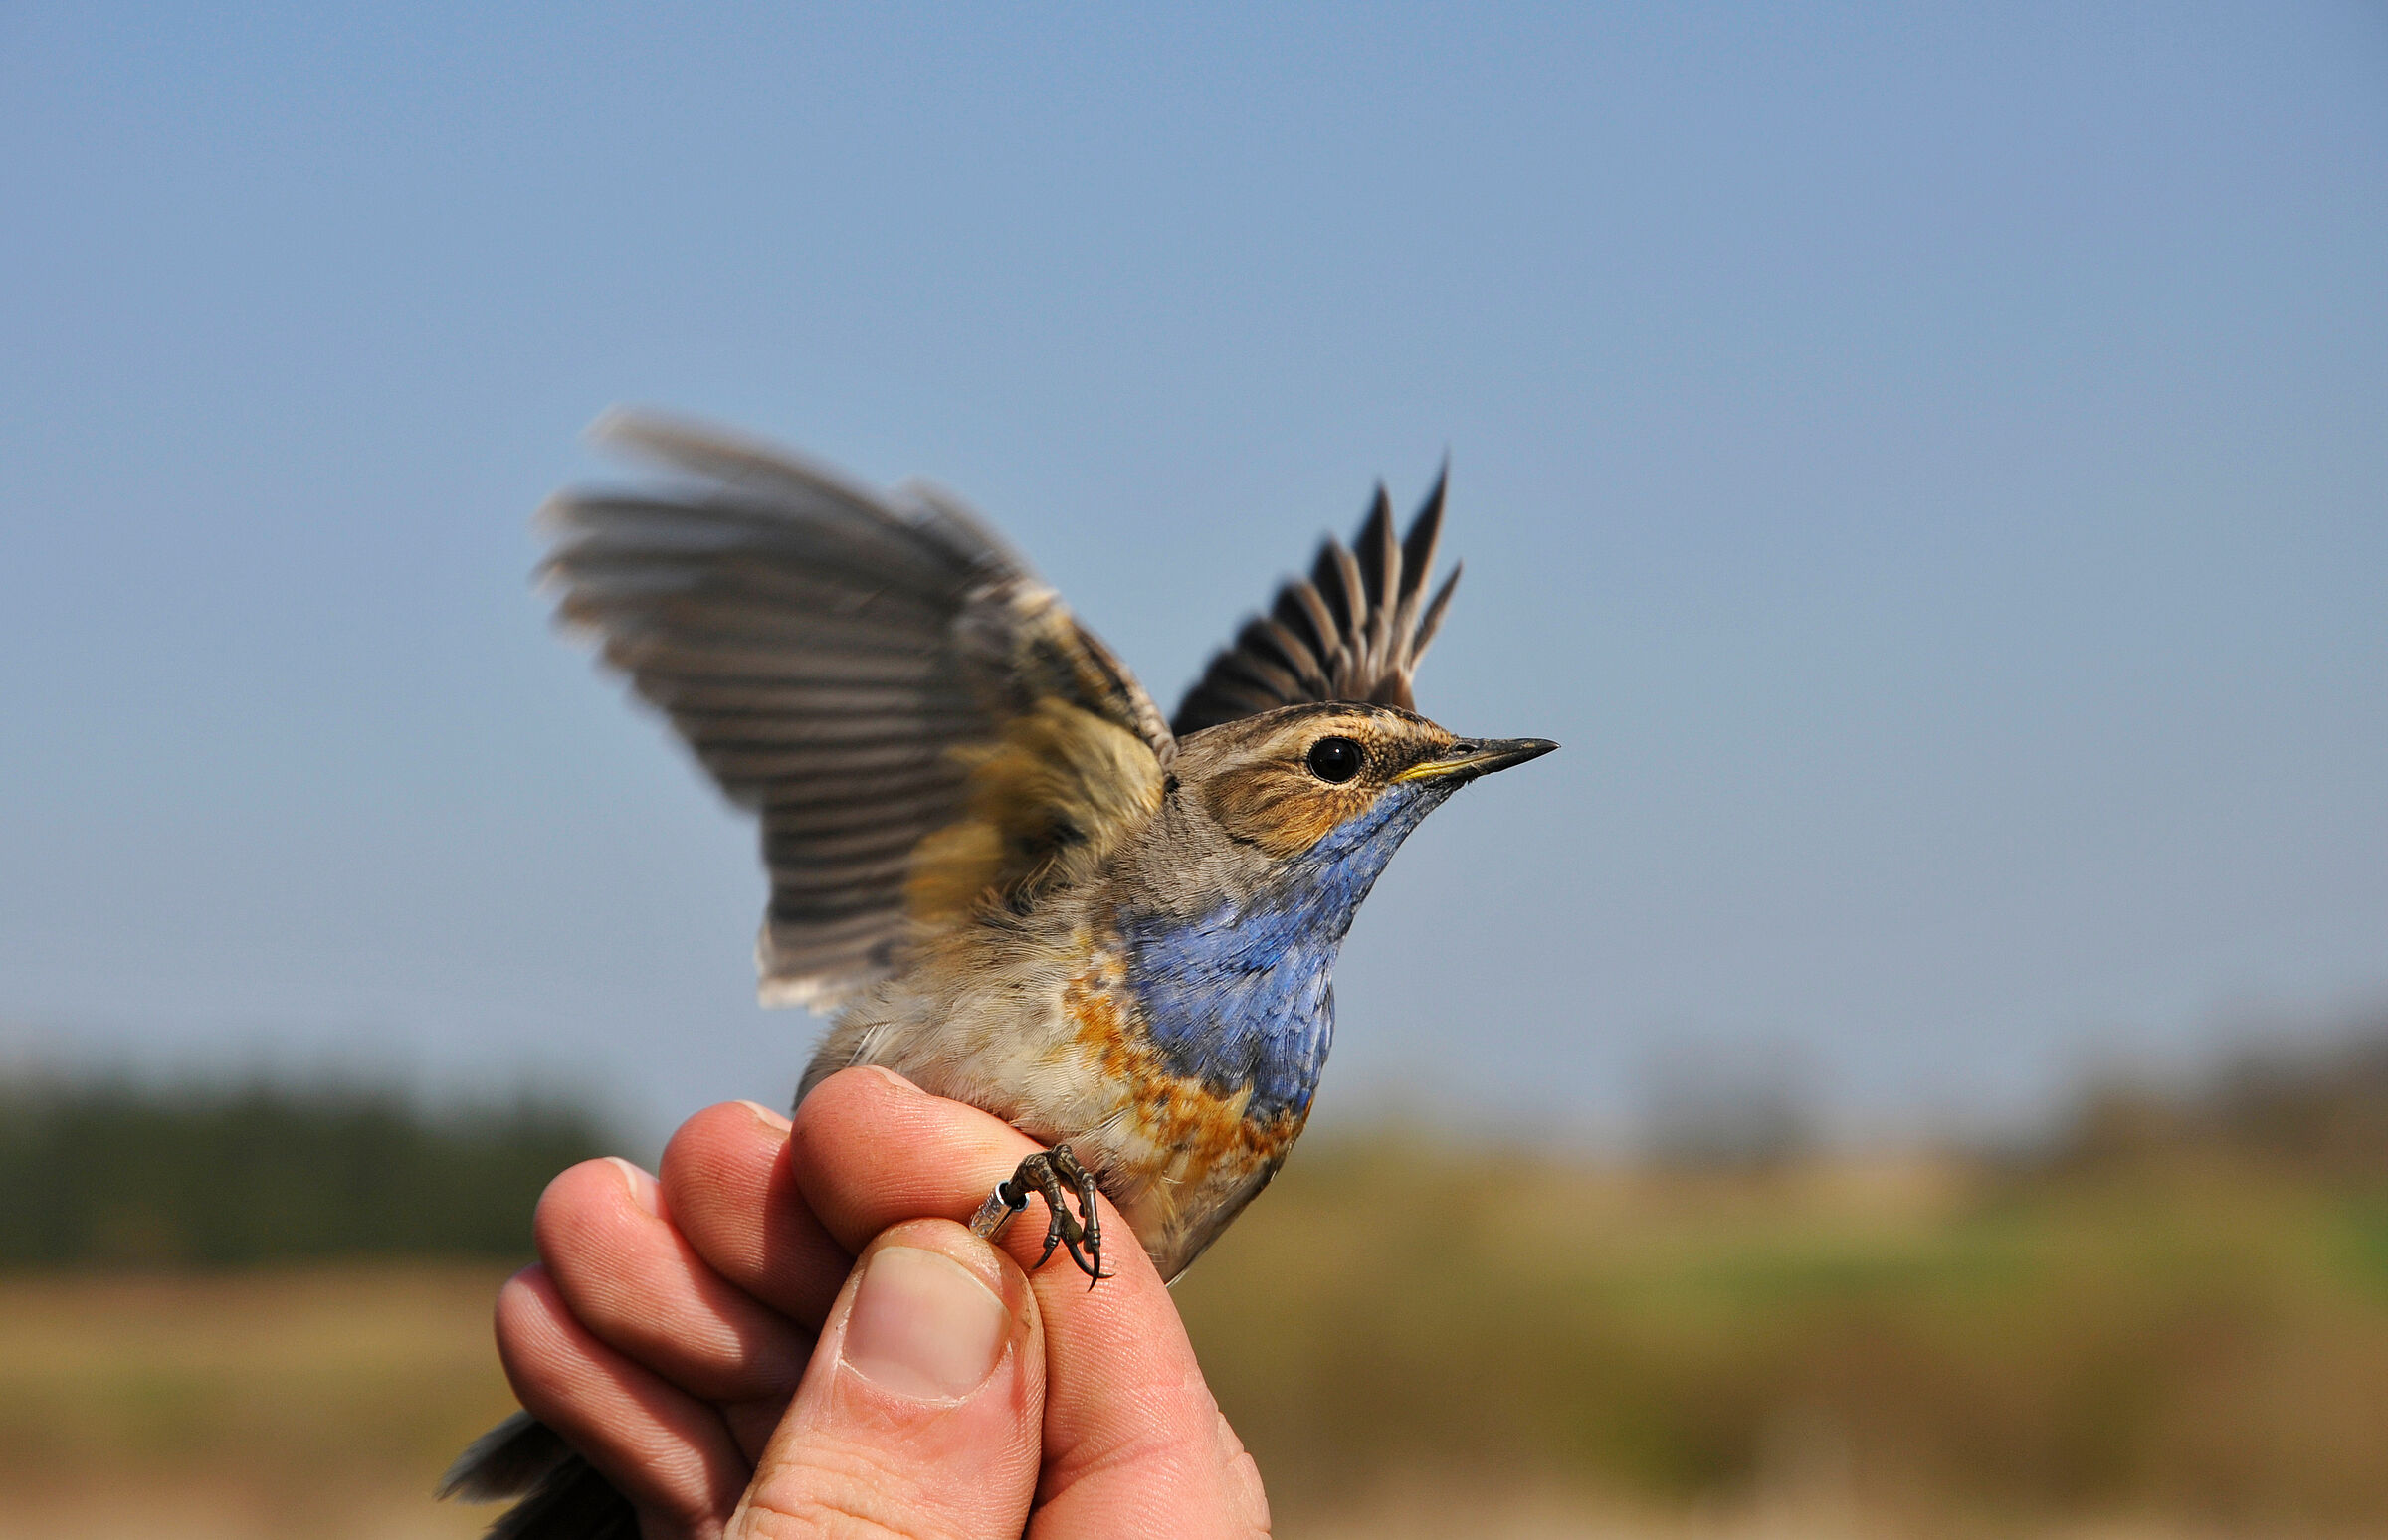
(1929, 469)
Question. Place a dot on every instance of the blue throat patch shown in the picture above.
(1245, 995)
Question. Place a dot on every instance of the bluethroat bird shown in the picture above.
(1005, 874)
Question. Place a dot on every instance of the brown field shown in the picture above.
(1415, 1341)
(300, 1401)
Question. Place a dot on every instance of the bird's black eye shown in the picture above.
(1335, 759)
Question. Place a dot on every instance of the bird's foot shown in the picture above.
(1056, 1176)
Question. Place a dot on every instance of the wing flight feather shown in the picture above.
(858, 668)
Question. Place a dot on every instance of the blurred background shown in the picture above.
(1918, 1063)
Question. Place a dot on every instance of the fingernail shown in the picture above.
(641, 1184)
(892, 1077)
(769, 1119)
(923, 1326)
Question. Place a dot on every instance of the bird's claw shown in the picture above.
(1057, 1177)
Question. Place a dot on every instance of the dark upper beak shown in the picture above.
(1472, 757)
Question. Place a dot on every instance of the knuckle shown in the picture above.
(809, 1519)
(840, 1489)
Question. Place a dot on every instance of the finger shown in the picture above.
(1133, 1440)
(868, 1147)
(921, 1412)
(730, 1190)
(661, 1448)
(639, 1287)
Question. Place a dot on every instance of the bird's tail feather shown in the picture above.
(562, 1497)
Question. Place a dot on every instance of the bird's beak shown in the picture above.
(1472, 757)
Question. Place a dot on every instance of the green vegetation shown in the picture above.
(110, 1172)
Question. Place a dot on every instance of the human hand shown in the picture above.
(670, 1335)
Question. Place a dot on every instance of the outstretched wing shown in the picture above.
(919, 722)
(1354, 630)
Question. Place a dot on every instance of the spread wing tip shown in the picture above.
(1353, 629)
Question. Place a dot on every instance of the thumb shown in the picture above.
(921, 1412)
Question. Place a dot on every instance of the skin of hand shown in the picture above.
(767, 1339)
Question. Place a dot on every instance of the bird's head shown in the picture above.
(1320, 795)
